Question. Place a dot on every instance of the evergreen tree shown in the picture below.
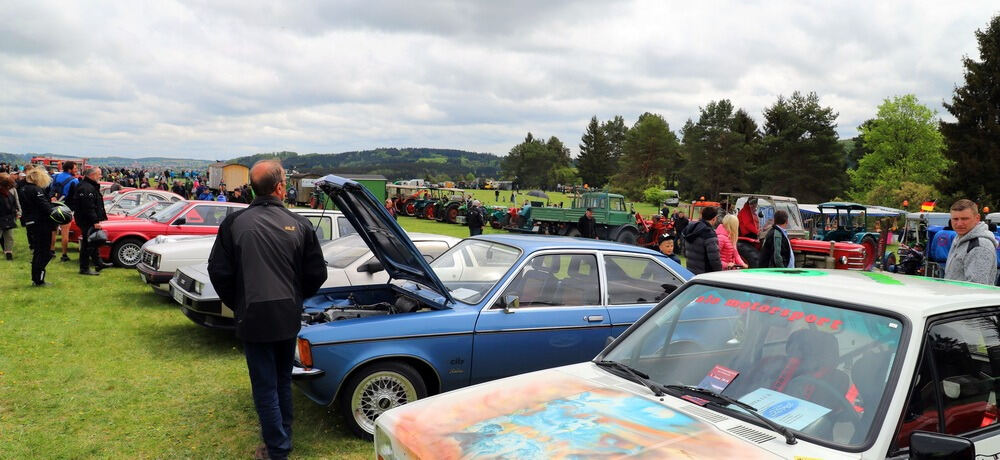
(594, 165)
(800, 156)
(536, 164)
(717, 150)
(614, 132)
(973, 140)
(650, 149)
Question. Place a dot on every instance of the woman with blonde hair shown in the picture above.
(36, 207)
(728, 231)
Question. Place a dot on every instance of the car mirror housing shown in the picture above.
(511, 303)
(180, 221)
(925, 445)
(372, 267)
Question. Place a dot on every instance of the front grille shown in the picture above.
(185, 282)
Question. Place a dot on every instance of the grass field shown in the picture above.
(102, 367)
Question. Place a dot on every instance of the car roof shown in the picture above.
(913, 296)
(531, 243)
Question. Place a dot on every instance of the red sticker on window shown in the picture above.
(790, 315)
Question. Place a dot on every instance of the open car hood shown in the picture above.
(384, 236)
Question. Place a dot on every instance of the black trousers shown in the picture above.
(473, 231)
(88, 252)
(39, 236)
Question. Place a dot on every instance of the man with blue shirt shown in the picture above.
(62, 186)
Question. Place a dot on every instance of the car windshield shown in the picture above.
(147, 210)
(341, 252)
(170, 212)
(817, 369)
(472, 267)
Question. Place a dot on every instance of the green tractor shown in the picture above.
(451, 206)
(847, 222)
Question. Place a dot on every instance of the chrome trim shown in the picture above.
(394, 337)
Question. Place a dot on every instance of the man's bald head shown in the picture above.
(265, 176)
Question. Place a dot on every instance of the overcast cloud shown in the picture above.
(218, 79)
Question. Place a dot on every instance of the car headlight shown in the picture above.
(156, 261)
(198, 286)
(383, 446)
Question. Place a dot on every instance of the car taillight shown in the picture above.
(305, 353)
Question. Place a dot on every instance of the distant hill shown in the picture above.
(150, 162)
(394, 164)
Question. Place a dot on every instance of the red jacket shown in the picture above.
(727, 252)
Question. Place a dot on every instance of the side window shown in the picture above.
(633, 280)
(431, 248)
(129, 202)
(344, 227)
(558, 280)
(207, 216)
(965, 356)
(617, 204)
(323, 226)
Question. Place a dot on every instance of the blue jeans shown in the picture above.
(270, 367)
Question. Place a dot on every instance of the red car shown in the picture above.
(125, 237)
(143, 211)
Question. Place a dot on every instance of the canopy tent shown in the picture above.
(873, 211)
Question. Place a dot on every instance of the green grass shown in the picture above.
(102, 367)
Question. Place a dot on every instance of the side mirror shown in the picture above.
(932, 446)
(510, 303)
(608, 341)
(180, 221)
(373, 266)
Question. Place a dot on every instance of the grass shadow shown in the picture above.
(178, 340)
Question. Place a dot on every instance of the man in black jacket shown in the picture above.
(776, 249)
(266, 260)
(701, 245)
(474, 217)
(89, 214)
(586, 225)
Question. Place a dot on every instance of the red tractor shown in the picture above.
(651, 229)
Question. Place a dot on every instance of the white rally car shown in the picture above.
(349, 262)
(816, 364)
(163, 255)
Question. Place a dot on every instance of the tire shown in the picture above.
(574, 232)
(376, 388)
(410, 207)
(451, 214)
(127, 252)
(871, 245)
(627, 236)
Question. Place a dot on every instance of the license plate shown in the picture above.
(178, 296)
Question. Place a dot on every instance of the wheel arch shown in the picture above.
(432, 380)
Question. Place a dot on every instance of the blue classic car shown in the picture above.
(490, 307)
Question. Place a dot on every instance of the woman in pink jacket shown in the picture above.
(727, 232)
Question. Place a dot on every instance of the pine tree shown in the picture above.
(594, 165)
(800, 156)
(717, 150)
(973, 140)
(650, 149)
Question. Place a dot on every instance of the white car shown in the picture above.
(811, 364)
(163, 255)
(349, 263)
(122, 202)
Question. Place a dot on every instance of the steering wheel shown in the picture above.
(842, 412)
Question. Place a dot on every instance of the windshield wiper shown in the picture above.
(637, 375)
(692, 390)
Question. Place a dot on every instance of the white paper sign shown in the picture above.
(784, 409)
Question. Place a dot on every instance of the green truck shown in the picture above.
(614, 220)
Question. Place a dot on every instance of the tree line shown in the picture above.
(903, 154)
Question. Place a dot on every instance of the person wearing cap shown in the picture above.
(665, 243)
(474, 217)
(587, 226)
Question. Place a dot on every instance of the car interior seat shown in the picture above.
(869, 375)
(538, 282)
(966, 389)
(580, 288)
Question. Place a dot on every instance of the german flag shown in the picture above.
(927, 206)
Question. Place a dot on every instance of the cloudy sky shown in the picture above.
(214, 79)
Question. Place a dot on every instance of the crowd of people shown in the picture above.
(712, 244)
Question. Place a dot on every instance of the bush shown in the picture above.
(654, 196)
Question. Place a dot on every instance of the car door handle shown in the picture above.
(593, 318)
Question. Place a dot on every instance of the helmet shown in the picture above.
(98, 238)
(61, 214)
